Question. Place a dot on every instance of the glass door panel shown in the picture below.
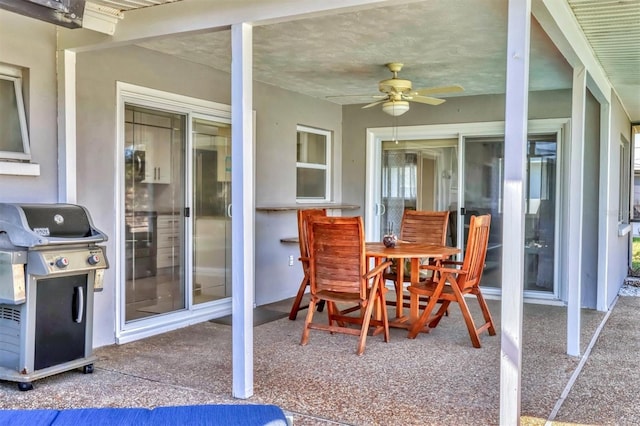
(540, 215)
(483, 176)
(418, 175)
(154, 222)
(211, 201)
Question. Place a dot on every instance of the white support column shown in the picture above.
(576, 183)
(515, 150)
(67, 127)
(243, 208)
(606, 153)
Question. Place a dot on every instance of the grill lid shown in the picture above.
(30, 225)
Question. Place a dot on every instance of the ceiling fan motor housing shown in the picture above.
(394, 85)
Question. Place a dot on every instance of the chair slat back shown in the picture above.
(337, 255)
(303, 233)
(425, 227)
(475, 251)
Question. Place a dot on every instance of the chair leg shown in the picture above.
(366, 319)
(293, 314)
(486, 314)
(424, 317)
(444, 310)
(468, 320)
(307, 322)
(385, 317)
(296, 303)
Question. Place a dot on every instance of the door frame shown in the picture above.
(373, 152)
(190, 107)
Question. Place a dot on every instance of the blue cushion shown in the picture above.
(213, 415)
(103, 417)
(27, 417)
(201, 415)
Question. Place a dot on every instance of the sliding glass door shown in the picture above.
(212, 207)
(154, 147)
(175, 211)
(483, 176)
(463, 173)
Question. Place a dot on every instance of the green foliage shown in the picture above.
(635, 258)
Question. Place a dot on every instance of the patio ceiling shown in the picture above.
(439, 42)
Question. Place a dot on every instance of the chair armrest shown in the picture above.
(451, 262)
(442, 269)
(378, 269)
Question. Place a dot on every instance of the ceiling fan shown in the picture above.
(398, 93)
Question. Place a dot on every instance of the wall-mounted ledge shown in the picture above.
(623, 229)
(290, 240)
(19, 169)
(289, 207)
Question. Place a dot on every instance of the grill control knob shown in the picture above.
(62, 262)
(94, 259)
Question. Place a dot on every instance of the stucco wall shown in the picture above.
(31, 44)
(277, 114)
(590, 201)
(618, 254)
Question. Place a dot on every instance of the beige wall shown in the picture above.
(590, 201)
(616, 263)
(31, 44)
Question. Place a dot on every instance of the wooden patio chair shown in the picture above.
(425, 227)
(303, 219)
(453, 280)
(338, 274)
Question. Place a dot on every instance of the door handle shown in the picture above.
(78, 304)
(229, 209)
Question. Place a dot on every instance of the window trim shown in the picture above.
(624, 194)
(14, 75)
(326, 167)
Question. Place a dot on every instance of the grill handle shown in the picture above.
(78, 304)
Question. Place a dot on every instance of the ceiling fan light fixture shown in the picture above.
(395, 108)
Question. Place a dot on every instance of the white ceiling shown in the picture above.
(441, 42)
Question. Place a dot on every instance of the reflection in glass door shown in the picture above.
(483, 176)
(154, 147)
(418, 175)
(211, 216)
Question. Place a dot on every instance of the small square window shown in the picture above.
(14, 138)
(313, 169)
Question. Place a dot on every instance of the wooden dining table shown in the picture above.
(406, 250)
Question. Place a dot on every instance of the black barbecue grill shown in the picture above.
(50, 267)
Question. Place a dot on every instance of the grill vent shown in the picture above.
(10, 314)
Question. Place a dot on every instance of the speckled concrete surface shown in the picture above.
(436, 379)
(606, 391)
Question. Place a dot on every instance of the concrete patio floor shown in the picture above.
(436, 379)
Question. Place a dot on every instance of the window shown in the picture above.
(312, 164)
(625, 181)
(14, 139)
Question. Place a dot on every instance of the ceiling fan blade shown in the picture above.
(441, 89)
(426, 100)
(375, 103)
(368, 95)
